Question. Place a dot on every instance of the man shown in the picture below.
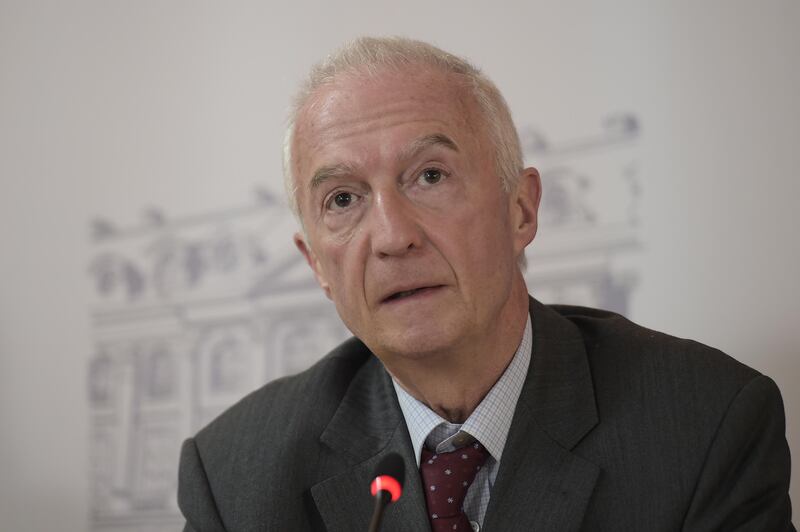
(405, 170)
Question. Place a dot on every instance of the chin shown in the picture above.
(417, 344)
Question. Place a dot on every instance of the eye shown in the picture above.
(341, 200)
(431, 176)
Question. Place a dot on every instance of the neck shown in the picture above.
(453, 383)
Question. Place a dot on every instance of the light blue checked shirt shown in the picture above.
(489, 424)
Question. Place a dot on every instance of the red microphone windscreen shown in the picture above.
(389, 476)
(387, 483)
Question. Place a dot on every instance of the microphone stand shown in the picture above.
(382, 499)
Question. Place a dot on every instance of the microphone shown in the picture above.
(387, 486)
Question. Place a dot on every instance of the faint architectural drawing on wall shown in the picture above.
(588, 233)
(190, 314)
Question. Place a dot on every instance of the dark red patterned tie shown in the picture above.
(446, 478)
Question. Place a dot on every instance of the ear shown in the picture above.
(311, 259)
(525, 208)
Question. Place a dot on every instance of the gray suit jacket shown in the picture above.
(617, 428)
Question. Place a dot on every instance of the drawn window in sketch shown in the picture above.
(228, 364)
(160, 373)
(302, 342)
(100, 380)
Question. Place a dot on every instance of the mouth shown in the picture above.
(408, 294)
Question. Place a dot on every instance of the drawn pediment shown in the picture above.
(241, 253)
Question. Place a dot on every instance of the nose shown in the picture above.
(395, 228)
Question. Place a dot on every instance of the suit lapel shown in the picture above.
(541, 484)
(367, 426)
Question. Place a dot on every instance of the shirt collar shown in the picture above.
(491, 420)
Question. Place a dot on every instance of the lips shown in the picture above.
(406, 293)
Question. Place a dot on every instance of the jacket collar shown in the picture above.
(367, 426)
(542, 485)
(559, 390)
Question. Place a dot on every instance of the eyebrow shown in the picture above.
(423, 143)
(331, 171)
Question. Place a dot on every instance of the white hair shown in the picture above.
(372, 55)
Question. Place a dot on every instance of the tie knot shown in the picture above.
(473, 454)
(446, 478)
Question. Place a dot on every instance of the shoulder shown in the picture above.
(649, 378)
(252, 462)
(650, 386)
(705, 432)
(293, 407)
(615, 344)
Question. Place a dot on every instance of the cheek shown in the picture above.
(344, 266)
(486, 242)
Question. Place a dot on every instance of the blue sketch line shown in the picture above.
(102, 230)
(618, 129)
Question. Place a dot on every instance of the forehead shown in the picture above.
(377, 109)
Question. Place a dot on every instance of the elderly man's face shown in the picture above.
(408, 229)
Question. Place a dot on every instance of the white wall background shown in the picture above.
(109, 107)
